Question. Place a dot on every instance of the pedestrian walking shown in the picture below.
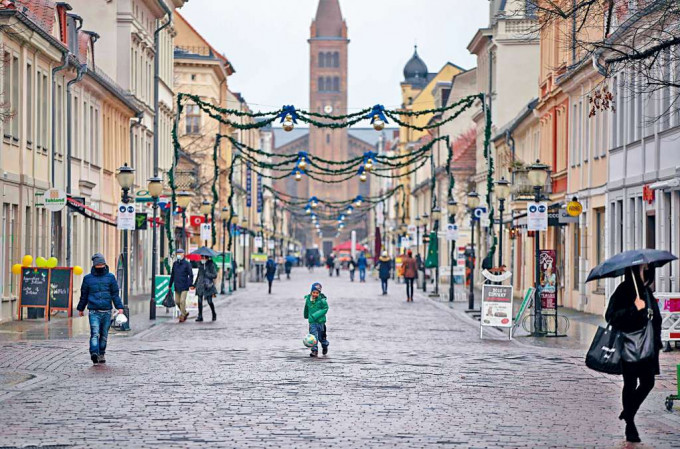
(182, 277)
(337, 263)
(410, 273)
(288, 265)
(270, 272)
(330, 264)
(316, 308)
(99, 291)
(384, 270)
(630, 308)
(205, 286)
(361, 264)
(352, 266)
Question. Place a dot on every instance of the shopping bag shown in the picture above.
(192, 299)
(604, 354)
(169, 300)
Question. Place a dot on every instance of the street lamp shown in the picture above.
(234, 221)
(502, 193)
(472, 204)
(183, 200)
(452, 208)
(244, 224)
(425, 218)
(418, 221)
(538, 175)
(224, 215)
(436, 216)
(126, 178)
(155, 188)
(206, 208)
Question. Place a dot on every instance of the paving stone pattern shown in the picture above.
(397, 374)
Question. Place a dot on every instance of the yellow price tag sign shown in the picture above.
(574, 208)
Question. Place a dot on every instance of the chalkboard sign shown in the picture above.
(34, 288)
(61, 289)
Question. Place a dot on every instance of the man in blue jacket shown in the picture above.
(182, 277)
(361, 264)
(98, 292)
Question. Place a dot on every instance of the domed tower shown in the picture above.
(415, 70)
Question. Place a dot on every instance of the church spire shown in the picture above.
(329, 21)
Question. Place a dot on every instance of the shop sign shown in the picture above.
(648, 194)
(496, 305)
(141, 221)
(55, 200)
(196, 220)
(548, 278)
(574, 208)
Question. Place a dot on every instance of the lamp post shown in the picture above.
(234, 220)
(436, 216)
(472, 203)
(502, 193)
(538, 174)
(244, 224)
(425, 219)
(183, 200)
(452, 207)
(155, 188)
(206, 207)
(418, 221)
(126, 178)
(224, 215)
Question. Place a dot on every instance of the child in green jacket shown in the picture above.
(316, 308)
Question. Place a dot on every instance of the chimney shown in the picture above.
(62, 9)
(73, 23)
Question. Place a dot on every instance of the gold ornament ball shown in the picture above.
(378, 124)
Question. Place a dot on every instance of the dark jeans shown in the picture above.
(330, 272)
(634, 394)
(100, 321)
(409, 287)
(270, 282)
(351, 275)
(362, 274)
(210, 303)
(384, 286)
(319, 331)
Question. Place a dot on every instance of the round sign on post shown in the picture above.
(574, 208)
(55, 200)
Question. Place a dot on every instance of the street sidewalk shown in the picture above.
(61, 327)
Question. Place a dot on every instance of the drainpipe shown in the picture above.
(157, 79)
(65, 58)
(80, 72)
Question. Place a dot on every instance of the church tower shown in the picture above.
(328, 44)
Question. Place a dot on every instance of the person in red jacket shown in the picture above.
(410, 270)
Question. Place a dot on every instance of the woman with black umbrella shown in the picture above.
(205, 285)
(630, 308)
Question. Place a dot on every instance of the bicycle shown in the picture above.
(547, 323)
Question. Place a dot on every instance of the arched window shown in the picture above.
(322, 84)
(329, 84)
(336, 84)
(322, 59)
(329, 59)
(336, 59)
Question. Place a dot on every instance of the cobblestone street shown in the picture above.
(397, 374)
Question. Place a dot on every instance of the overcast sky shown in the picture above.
(266, 41)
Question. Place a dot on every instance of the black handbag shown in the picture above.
(604, 355)
(639, 345)
(169, 301)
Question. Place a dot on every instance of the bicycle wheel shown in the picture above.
(562, 324)
(527, 323)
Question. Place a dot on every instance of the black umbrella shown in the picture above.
(204, 251)
(615, 266)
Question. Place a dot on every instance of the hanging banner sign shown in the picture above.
(196, 220)
(39, 199)
(537, 216)
(258, 242)
(249, 186)
(126, 217)
(548, 280)
(260, 199)
(206, 231)
(451, 232)
(141, 221)
(496, 305)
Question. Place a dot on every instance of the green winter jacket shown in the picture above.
(315, 311)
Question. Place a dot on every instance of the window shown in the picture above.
(579, 134)
(86, 133)
(322, 84)
(29, 232)
(336, 84)
(29, 103)
(75, 148)
(59, 120)
(586, 131)
(44, 123)
(6, 89)
(95, 137)
(193, 119)
(15, 97)
(336, 59)
(193, 77)
(599, 241)
(328, 138)
(576, 255)
(614, 116)
(322, 59)
(530, 8)
(666, 62)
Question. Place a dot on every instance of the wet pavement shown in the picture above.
(397, 374)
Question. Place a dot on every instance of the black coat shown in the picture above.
(624, 316)
(205, 281)
(181, 275)
(384, 267)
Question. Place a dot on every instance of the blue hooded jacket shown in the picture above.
(99, 291)
(361, 263)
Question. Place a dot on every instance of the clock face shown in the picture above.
(328, 109)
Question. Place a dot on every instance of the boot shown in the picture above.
(212, 309)
(632, 435)
(199, 319)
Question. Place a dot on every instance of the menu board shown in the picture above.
(61, 289)
(34, 286)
